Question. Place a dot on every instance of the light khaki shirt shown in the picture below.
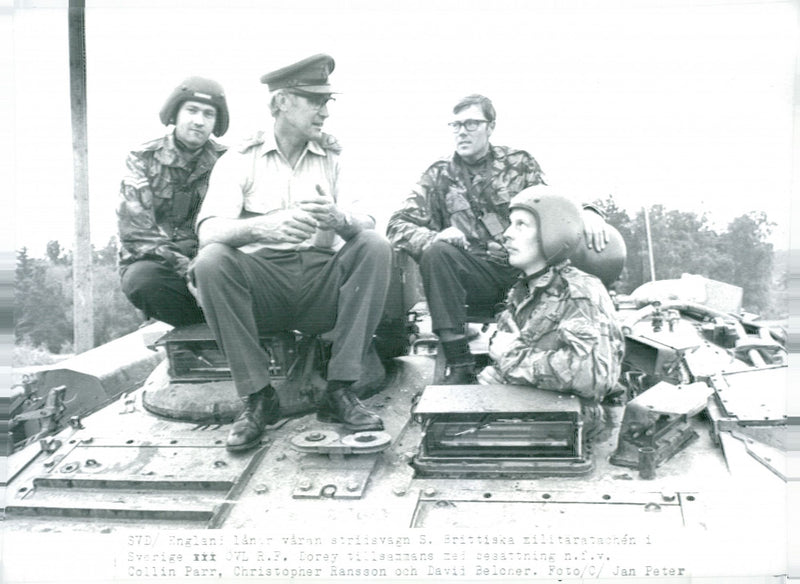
(256, 179)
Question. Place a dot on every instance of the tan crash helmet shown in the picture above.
(561, 232)
(202, 90)
(559, 219)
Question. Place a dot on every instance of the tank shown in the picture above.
(128, 442)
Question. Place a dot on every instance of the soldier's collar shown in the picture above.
(483, 161)
(547, 277)
(269, 144)
(535, 275)
(173, 155)
(539, 279)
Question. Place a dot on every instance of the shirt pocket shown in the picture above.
(161, 181)
(543, 321)
(456, 201)
(163, 192)
(258, 206)
(501, 194)
(183, 205)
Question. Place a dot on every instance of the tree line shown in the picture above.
(683, 242)
(43, 306)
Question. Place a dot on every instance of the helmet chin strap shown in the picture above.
(535, 271)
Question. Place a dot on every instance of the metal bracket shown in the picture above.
(327, 442)
(338, 479)
(49, 412)
(658, 419)
(337, 476)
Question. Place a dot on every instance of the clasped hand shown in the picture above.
(453, 236)
(499, 345)
(301, 220)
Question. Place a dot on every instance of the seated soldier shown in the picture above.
(453, 221)
(558, 330)
(164, 184)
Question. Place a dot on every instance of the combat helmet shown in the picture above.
(559, 219)
(560, 231)
(197, 89)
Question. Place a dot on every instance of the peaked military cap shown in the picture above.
(309, 75)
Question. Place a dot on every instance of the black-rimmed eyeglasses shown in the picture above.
(468, 125)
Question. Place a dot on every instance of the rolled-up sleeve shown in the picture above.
(226, 189)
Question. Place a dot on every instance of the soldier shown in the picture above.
(558, 330)
(452, 224)
(160, 196)
(279, 250)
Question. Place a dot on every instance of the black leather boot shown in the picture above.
(462, 374)
(340, 406)
(260, 409)
(460, 363)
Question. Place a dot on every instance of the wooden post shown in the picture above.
(83, 326)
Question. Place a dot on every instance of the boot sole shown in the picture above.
(245, 446)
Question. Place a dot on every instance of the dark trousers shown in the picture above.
(454, 279)
(341, 294)
(160, 293)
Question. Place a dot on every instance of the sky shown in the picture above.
(679, 103)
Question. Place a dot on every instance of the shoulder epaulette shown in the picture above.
(329, 142)
(445, 160)
(150, 145)
(256, 139)
(506, 151)
(581, 284)
(217, 147)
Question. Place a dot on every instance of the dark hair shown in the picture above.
(484, 102)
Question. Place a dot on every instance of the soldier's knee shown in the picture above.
(211, 259)
(377, 244)
(142, 278)
(437, 253)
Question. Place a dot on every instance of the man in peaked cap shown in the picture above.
(160, 196)
(280, 250)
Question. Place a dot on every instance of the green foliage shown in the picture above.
(114, 315)
(24, 354)
(684, 242)
(752, 269)
(43, 306)
(41, 316)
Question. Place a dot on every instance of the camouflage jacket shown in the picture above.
(472, 198)
(567, 337)
(160, 197)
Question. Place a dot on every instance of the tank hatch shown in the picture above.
(499, 430)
